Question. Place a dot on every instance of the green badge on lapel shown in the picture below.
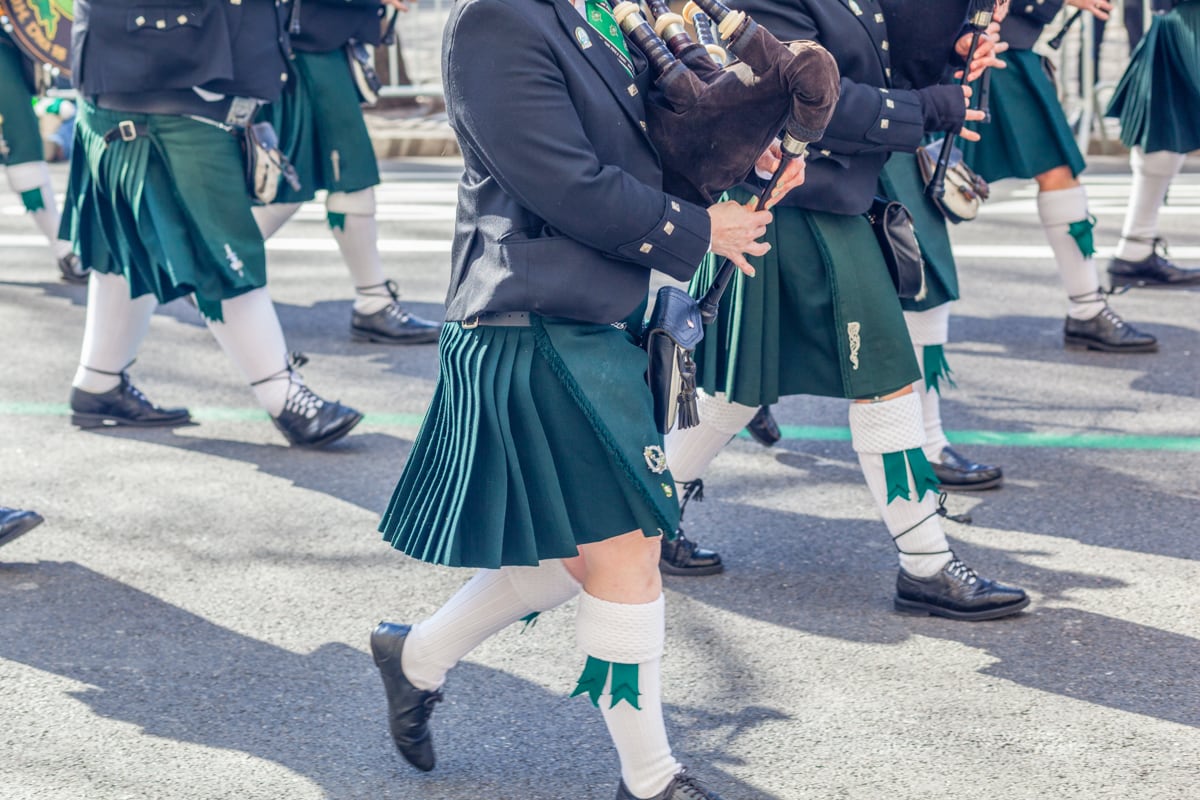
(582, 37)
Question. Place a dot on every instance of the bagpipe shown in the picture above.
(710, 121)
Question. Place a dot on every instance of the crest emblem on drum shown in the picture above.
(42, 28)
(582, 37)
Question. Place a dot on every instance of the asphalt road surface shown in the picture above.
(192, 619)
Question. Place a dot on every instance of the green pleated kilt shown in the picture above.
(1158, 98)
(321, 130)
(20, 126)
(1029, 133)
(820, 316)
(169, 210)
(537, 440)
(901, 181)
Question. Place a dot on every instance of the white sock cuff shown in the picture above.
(271, 218)
(1160, 163)
(622, 633)
(929, 327)
(541, 588)
(361, 202)
(1063, 206)
(30, 175)
(887, 427)
(718, 413)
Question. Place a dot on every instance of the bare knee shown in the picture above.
(1057, 179)
(623, 569)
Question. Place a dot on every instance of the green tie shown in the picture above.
(600, 17)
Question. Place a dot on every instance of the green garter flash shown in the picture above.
(32, 198)
(595, 675)
(896, 469)
(936, 368)
(337, 222)
(1081, 232)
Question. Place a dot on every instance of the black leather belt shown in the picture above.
(498, 319)
(126, 131)
(183, 103)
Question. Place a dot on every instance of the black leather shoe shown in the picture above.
(682, 556)
(14, 523)
(309, 421)
(392, 324)
(957, 592)
(1108, 332)
(124, 404)
(682, 787)
(1153, 270)
(763, 428)
(72, 269)
(957, 473)
(409, 708)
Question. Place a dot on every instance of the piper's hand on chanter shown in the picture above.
(987, 52)
(973, 115)
(1098, 8)
(1000, 12)
(792, 176)
(735, 231)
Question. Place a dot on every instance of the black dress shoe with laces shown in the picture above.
(1153, 270)
(957, 473)
(14, 523)
(72, 269)
(392, 324)
(309, 421)
(124, 404)
(680, 555)
(409, 708)
(1108, 332)
(763, 428)
(682, 787)
(957, 592)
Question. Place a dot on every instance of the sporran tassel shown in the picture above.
(688, 415)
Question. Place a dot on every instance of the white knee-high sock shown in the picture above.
(253, 340)
(352, 221)
(1152, 176)
(1058, 211)
(113, 330)
(930, 329)
(891, 427)
(690, 450)
(493, 599)
(271, 218)
(35, 175)
(631, 634)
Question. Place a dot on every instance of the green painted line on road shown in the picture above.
(1086, 441)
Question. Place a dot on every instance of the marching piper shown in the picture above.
(320, 124)
(23, 156)
(539, 461)
(822, 316)
(1158, 103)
(1030, 137)
(159, 206)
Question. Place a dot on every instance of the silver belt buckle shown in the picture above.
(470, 325)
(241, 112)
(127, 130)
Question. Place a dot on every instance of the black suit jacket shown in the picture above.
(561, 210)
(328, 24)
(872, 117)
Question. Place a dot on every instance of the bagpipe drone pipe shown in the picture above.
(710, 123)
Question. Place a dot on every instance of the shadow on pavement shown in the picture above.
(322, 714)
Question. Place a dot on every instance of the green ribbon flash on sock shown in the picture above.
(936, 368)
(337, 222)
(923, 476)
(529, 620)
(595, 675)
(33, 200)
(1081, 232)
(895, 473)
(591, 682)
(625, 685)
